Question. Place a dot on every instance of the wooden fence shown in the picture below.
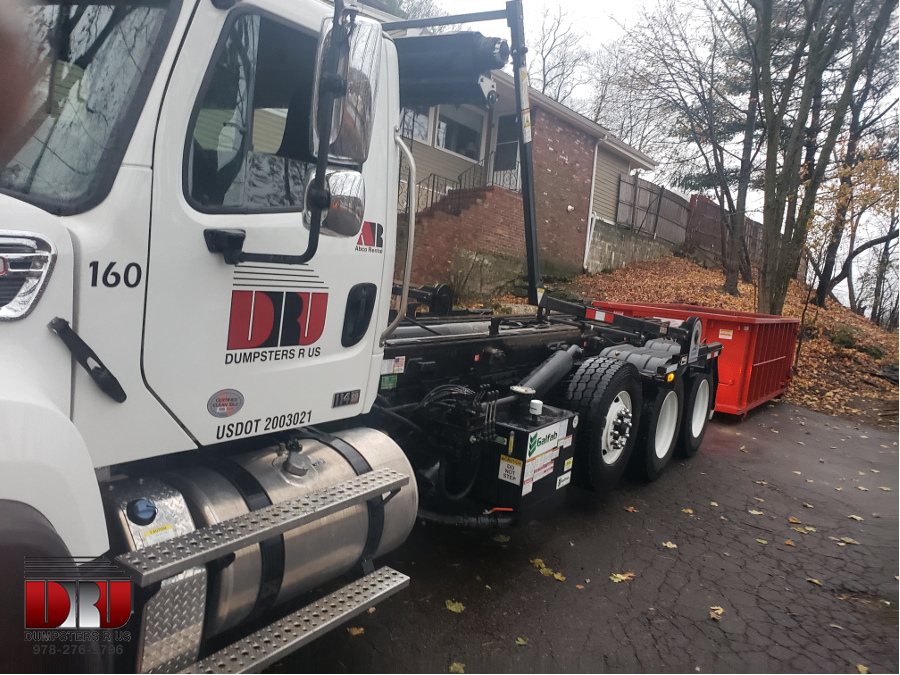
(698, 224)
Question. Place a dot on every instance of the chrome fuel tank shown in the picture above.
(278, 570)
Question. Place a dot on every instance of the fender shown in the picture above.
(45, 462)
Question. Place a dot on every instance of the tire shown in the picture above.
(606, 394)
(659, 430)
(698, 407)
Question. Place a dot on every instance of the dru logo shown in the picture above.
(371, 238)
(56, 596)
(275, 319)
(536, 441)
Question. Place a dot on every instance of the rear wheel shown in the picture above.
(606, 394)
(659, 430)
(697, 409)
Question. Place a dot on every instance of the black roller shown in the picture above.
(437, 69)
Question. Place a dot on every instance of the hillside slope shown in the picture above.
(842, 356)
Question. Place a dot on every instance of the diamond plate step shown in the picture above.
(264, 647)
(161, 561)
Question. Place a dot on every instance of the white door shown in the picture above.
(240, 350)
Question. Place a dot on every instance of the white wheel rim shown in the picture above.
(665, 425)
(701, 407)
(616, 428)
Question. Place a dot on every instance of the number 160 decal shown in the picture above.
(130, 276)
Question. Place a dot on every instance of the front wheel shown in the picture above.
(606, 394)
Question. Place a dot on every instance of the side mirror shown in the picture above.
(344, 216)
(358, 66)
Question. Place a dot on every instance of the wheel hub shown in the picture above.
(617, 429)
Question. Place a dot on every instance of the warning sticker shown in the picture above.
(394, 366)
(566, 442)
(726, 334)
(510, 470)
(157, 535)
(568, 465)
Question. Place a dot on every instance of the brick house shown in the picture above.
(468, 200)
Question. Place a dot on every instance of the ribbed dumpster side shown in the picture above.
(757, 354)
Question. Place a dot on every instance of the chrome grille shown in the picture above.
(26, 262)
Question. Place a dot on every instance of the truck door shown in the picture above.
(241, 350)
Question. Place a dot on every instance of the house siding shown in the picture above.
(606, 184)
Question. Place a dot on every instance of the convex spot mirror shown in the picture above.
(344, 216)
(358, 65)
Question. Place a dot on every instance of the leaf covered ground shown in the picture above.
(842, 357)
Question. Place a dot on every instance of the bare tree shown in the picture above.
(789, 97)
(559, 60)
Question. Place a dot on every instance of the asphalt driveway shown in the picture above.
(817, 595)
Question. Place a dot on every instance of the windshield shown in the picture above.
(92, 65)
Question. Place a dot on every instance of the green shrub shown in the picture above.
(842, 337)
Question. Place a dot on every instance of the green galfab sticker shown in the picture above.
(543, 439)
(388, 381)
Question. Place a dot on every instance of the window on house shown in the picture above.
(460, 130)
(414, 124)
(249, 146)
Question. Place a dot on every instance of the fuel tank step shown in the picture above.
(166, 559)
(266, 646)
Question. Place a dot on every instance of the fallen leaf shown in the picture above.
(761, 482)
(886, 489)
(774, 431)
(501, 538)
(537, 562)
(876, 470)
(864, 489)
(797, 472)
(862, 473)
(356, 631)
(547, 571)
(808, 506)
(860, 667)
(454, 606)
(834, 625)
(755, 512)
(800, 443)
(758, 499)
(521, 641)
(855, 517)
(743, 448)
(716, 612)
(579, 587)
(794, 520)
(371, 610)
(789, 542)
(814, 581)
(458, 668)
(690, 512)
(669, 544)
(631, 509)
(713, 504)
(849, 540)
(559, 576)
(617, 578)
(571, 543)
(809, 480)
(762, 541)
(838, 489)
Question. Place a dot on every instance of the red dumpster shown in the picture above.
(757, 352)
